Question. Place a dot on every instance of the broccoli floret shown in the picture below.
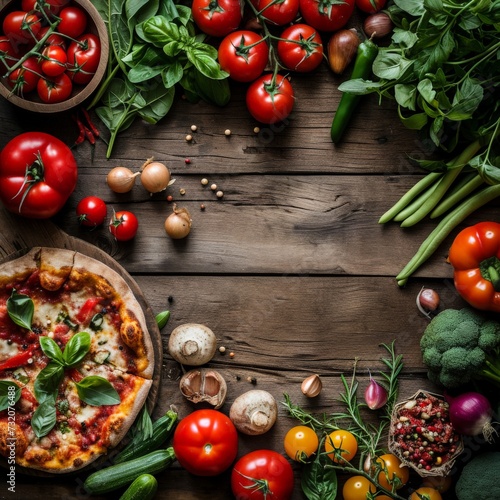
(459, 346)
(479, 478)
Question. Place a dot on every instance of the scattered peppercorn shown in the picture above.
(170, 298)
(189, 138)
(187, 161)
(227, 132)
(231, 354)
(213, 187)
(204, 182)
(202, 207)
(219, 194)
(182, 191)
(222, 349)
(252, 380)
(194, 128)
(256, 130)
(170, 198)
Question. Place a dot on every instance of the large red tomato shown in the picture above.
(270, 101)
(84, 55)
(205, 442)
(278, 13)
(262, 474)
(300, 48)
(217, 17)
(326, 15)
(244, 55)
(38, 173)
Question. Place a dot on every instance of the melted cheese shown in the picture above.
(7, 350)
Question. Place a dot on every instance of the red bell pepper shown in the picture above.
(19, 359)
(475, 257)
(85, 314)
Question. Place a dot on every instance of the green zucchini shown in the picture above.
(143, 488)
(116, 476)
(162, 428)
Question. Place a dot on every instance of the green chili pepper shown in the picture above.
(367, 51)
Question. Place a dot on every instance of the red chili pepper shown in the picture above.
(90, 123)
(74, 375)
(81, 135)
(19, 359)
(86, 312)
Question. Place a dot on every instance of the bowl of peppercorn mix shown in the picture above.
(422, 436)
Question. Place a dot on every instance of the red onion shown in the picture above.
(470, 414)
(375, 395)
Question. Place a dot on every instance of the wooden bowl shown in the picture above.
(31, 101)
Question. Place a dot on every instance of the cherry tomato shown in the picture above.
(205, 442)
(25, 78)
(49, 6)
(21, 27)
(326, 15)
(357, 488)
(341, 445)
(244, 55)
(426, 493)
(91, 211)
(54, 60)
(73, 21)
(270, 101)
(370, 6)
(304, 51)
(278, 13)
(8, 54)
(49, 167)
(217, 17)
(392, 473)
(123, 225)
(53, 39)
(54, 89)
(84, 55)
(261, 475)
(300, 443)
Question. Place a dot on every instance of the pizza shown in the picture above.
(76, 359)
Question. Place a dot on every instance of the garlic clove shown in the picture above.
(204, 386)
(311, 386)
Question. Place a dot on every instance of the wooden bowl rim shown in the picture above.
(86, 90)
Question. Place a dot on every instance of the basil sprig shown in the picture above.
(20, 308)
(93, 390)
(6, 397)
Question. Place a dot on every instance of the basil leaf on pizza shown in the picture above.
(20, 309)
(52, 350)
(76, 349)
(10, 393)
(48, 381)
(44, 419)
(97, 391)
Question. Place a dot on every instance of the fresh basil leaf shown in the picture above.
(406, 95)
(416, 121)
(391, 65)
(97, 391)
(47, 382)
(426, 90)
(141, 10)
(10, 393)
(76, 348)
(206, 63)
(466, 100)
(319, 482)
(158, 101)
(358, 86)
(162, 319)
(44, 419)
(405, 39)
(20, 308)
(215, 92)
(52, 350)
(159, 31)
(143, 428)
(413, 7)
(172, 74)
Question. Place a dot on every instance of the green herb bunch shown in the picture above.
(153, 47)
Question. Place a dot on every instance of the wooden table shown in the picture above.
(290, 268)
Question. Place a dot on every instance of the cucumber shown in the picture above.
(162, 428)
(143, 488)
(119, 475)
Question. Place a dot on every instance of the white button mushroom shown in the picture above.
(192, 344)
(254, 412)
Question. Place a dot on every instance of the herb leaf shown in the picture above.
(97, 391)
(20, 308)
(6, 394)
(47, 382)
(76, 349)
(52, 350)
(44, 419)
(319, 482)
(162, 319)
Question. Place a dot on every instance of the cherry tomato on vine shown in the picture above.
(426, 493)
(341, 445)
(261, 475)
(244, 55)
(8, 54)
(268, 100)
(21, 27)
(300, 443)
(84, 55)
(52, 39)
(300, 48)
(357, 488)
(54, 89)
(370, 6)
(278, 13)
(326, 15)
(49, 6)
(25, 78)
(217, 17)
(392, 474)
(123, 225)
(91, 211)
(73, 21)
(205, 442)
(54, 60)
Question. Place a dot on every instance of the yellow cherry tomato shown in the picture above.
(356, 488)
(393, 473)
(425, 493)
(300, 443)
(341, 446)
